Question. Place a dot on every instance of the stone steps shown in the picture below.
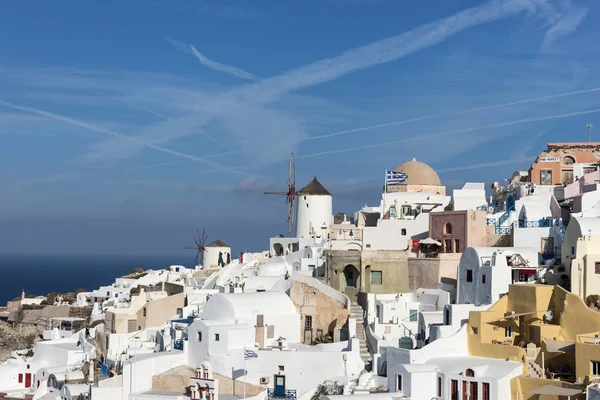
(357, 313)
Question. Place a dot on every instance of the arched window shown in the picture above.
(448, 228)
(470, 373)
(568, 160)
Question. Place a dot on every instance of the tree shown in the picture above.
(323, 338)
(328, 388)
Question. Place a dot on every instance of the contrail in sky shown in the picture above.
(212, 64)
(108, 132)
(427, 136)
(207, 62)
(470, 110)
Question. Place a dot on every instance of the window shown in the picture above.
(20, 378)
(403, 231)
(547, 245)
(281, 368)
(368, 246)
(508, 331)
(448, 229)
(483, 278)
(376, 277)
(414, 315)
(456, 246)
(485, 391)
(546, 177)
(217, 337)
(199, 337)
(308, 322)
(566, 176)
(144, 311)
(568, 160)
(439, 387)
(573, 250)
(399, 383)
(470, 373)
(454, 389)
(595, 368)
(469, 275)
(475, 330)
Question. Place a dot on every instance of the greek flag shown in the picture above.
(394, 178)
(249, 354)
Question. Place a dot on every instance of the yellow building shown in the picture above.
(548, 329)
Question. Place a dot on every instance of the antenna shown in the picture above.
(589, 129)
(200, 241)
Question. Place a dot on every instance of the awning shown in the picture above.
(430, 241)
(555, 391)
(558, 346)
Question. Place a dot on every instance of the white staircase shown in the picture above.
(534, 370)
(356, 312)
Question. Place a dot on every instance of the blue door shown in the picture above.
(510, 203)
(279, 386)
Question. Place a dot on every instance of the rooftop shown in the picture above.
(216, 243)
(314, 188)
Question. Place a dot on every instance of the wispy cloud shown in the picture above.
(564, 26)
(112, 133)
(212, 64)
(207, 62)
(242, 112)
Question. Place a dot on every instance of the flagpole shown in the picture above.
(244, 372)
(384, 193)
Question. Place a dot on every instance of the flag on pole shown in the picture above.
(394, 178)
(249, 354)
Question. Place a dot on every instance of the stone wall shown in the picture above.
(423, 273)
(392, 264)
(328, 313)
(80, 312)
(229, 386)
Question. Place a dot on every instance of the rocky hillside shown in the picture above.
(20, 337)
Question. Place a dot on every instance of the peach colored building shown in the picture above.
(554, 166)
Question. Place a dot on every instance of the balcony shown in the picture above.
(281, 394)
(541, 223)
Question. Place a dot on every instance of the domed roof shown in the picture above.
(418, 173)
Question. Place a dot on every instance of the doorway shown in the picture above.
(279, 387)
(352, 275)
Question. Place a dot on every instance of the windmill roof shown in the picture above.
(314, 188)
(216, 243)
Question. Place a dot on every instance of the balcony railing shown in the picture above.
(541, 223)
(503, 230)
(281, 394)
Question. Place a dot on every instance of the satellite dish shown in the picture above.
(549, 315)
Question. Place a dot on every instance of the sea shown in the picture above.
(42, 274)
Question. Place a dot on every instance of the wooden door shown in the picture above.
(453, 389)
(27, 380)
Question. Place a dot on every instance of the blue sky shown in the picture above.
(124, 125)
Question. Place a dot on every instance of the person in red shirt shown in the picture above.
(241, 258)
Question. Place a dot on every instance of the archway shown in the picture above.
(352, 276)
(278, 249)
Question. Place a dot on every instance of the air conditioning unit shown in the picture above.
(264, 380)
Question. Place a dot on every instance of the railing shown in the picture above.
(541, 223)
(178, 344)
(490, 221)
(503, 230)
(281, 394)
(487, 208)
